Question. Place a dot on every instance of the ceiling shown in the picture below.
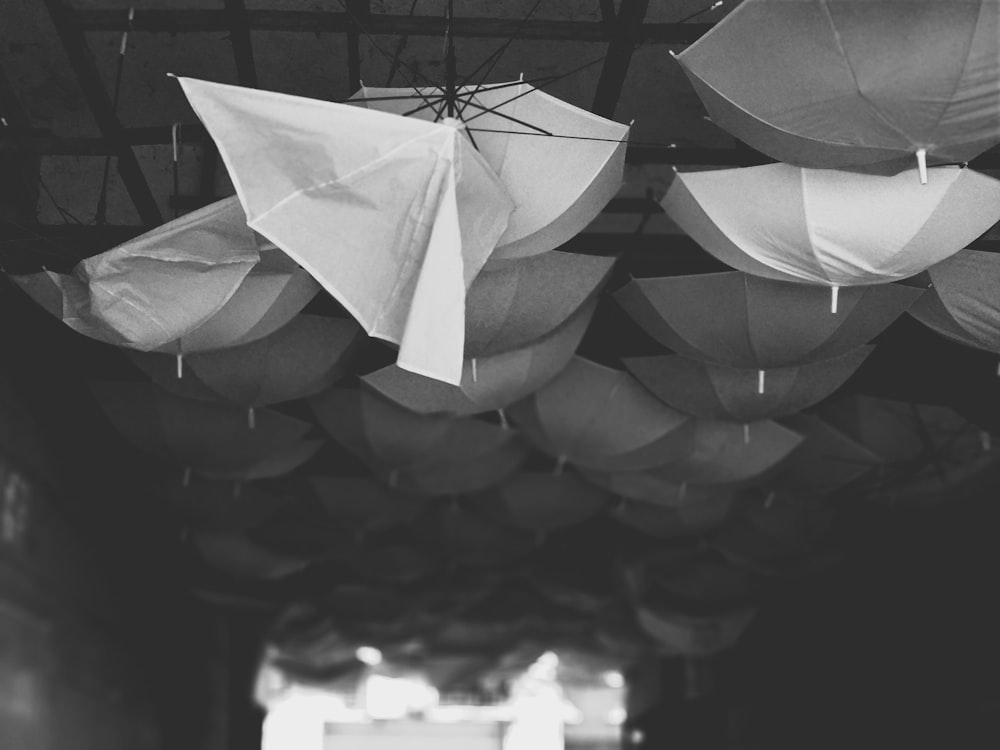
(887, 601)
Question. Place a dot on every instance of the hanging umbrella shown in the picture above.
(854, 82)
(653, 488)
(827, 461)
(696, 575)
(516, 303)
(829, 227)
(962, 304)
(394, 216)
(737, 320)
(598, 418)
(214, 505)
(926, 450)
(466, 538)
(489, 383)
(300, 359)
(234, 554)
(540, 501)
(678, 633)
(155, 288)
(210, 439)
(560, 164)
(364, 505)
(715, 392)
(435, 455)
(303, 530)
(665, 522)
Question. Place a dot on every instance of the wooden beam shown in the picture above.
(631, 14)
(82, 62)
(239, 35)
(180, 21)
(359, 12)
(608, 13)
(19, 169)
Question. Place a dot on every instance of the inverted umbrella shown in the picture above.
(650, 487)
(670, 522)
(829, 227)
(363, 504)
(513, 304)
(489, 383)
(560, 164)
(209, 439)
(424, 454)
(298, 360)
(540, 501)
(599, 418)
(854, 82)
(394, 216)
(962, 303)
(716, 392)
(738, 320)
(155, 288)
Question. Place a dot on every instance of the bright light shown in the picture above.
(369, 655)
(613, 679)
(397, 697)
(616, 716)
(637, 737)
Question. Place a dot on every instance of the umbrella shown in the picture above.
(152, 290)
(363, 504)
(693, 635)
(854, 82)
(737, 320)
(300, 359)
(434, 455)
(492, 382)
(715, 392)
(560, 164)
(393, 563)
(222, 506)
(695, 574)
(926, 450)
(302, 529)
(516, 303)
(962, 304)
(210, 439)
(467, 538)
(394, 216)
(234, 554)
(650, 487)
(599, 418)
(832, 228)
(540, 501)
(666, 522)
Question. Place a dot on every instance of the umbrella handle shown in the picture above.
(760, 382)
(922, 165)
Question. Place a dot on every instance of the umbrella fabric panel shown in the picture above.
(541, 501)
(853, 82)
(222, 506)
(650, 487)
(738, 320)
(963, 303)
(830, 227)
(742, 395)
(234, 554)
(363, 504)
(691, 635)
(558, 184)
(392, 215)
(672, 522)
(513, 304)
(156, 288)
(489, 383)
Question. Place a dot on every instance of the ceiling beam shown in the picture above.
(179, 21)
(239, 35)
(19, 169)
(359, 12)
(99, 103)
(631, 14)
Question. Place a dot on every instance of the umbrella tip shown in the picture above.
(922, 165)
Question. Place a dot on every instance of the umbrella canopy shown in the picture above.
(728, 393)
(541, 501)
(513, 304)
(394, 563)
(737, 320)
(693, 635)
(235, 555)
(650, 487)
(695, 574)
(854, 82)
(214, 505)
(394, 216)
(599, 418)
(298, 360)
(363, 504)
(467, 538)
(434, 455)
(672, 522)
(154, 289)
(963, 304)
(303, 530)
(560, 164)
(492, 382)
(829, 227)
(209, 439)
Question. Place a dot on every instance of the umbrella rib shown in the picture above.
(494, 110)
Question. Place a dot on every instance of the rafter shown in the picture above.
(179, 21)
(239, 34)
(631, 14)
(82, 62)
